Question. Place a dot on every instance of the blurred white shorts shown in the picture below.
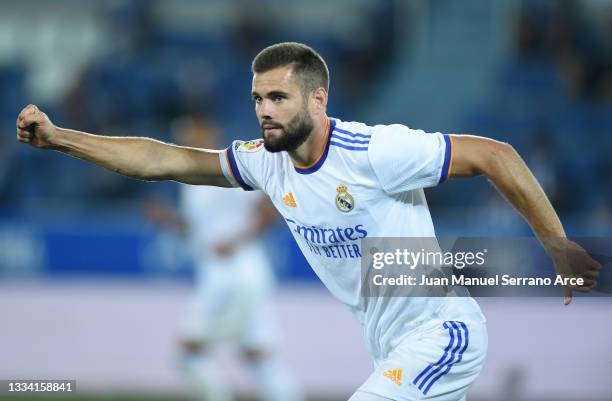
(226, 310)
(438, 361)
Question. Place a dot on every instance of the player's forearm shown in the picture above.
(513, 179)
(140, 157)
(132, 156)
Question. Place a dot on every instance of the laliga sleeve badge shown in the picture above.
(344, 201)
(250, 146)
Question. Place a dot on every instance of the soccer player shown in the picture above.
(232, 302)
(335, 183)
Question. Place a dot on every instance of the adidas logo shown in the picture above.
(289, 200)
(395, 375)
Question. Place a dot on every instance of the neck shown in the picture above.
(309, 152)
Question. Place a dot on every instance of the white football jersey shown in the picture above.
(367, 182)
(214, 216)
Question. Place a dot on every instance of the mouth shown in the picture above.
(271, 129)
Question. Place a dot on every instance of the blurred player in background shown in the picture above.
(336, 183)
(234, 278)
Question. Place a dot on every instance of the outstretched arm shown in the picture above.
(503, 166)
(137, 157)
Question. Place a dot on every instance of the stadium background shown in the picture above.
(90, 290)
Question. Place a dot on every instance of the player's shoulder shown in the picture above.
(253, 154)
(352, 127)
(363, 131)
(252, 149)
(349, 144)
(249, 165)
(356, 138)
(363, 143)
(396, 137)
(248, 145)
(350, 138)
(396, 129)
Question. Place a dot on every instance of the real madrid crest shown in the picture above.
(344, 201)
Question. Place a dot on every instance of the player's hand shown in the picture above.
(572, 261)
(35, 128)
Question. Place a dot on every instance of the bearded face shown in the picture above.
(278, 137)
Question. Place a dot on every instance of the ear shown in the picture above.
(318, 99)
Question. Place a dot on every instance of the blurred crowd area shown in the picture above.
(553, 101)
(135, 67)
(148, 70)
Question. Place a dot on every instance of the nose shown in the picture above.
(264, 110)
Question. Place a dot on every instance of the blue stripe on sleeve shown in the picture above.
(234, 168)
(342, 131)
(447, 158)
(341, 145)
(350, 140)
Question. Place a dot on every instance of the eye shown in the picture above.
(279, 98)
(256, 99)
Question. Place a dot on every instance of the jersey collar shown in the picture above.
(316, 165)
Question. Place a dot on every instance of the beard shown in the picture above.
(294, 134)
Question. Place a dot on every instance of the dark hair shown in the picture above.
(308, 65)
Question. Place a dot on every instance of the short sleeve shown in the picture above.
(404, 159)
(243, 164)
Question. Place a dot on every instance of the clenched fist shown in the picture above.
(35, 128)
(572, 261)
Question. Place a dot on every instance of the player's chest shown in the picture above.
(323, 199)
